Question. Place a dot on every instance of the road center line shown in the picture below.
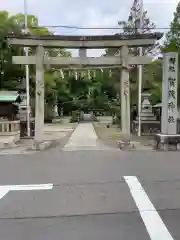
(152, 221)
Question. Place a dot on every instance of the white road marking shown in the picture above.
(152, 221)
(6, 188)
(3, 191)
(30, 187)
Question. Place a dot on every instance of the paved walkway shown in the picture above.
(84, 138)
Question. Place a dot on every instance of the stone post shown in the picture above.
(169, 94)
(168, 138)
(39, 108)
(125, 95)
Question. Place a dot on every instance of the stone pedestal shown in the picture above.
(167, 142)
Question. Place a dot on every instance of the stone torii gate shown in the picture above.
(86, 42)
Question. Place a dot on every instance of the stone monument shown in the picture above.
(168, 138)
(56, 111)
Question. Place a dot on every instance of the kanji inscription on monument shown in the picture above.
(169, 95)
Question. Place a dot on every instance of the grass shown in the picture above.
(106, 133)
(114, 134)
(116, 137)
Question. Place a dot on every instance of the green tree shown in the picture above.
(81, 93)
(172, 41)
(132, 26)
(9, 73)
(129, 27)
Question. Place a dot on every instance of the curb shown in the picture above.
(133, 146)
(7, 145)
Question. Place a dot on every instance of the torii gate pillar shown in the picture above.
(39, 107)
(125, 95)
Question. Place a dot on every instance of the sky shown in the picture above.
(91, 13)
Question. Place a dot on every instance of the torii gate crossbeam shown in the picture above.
(88, 42)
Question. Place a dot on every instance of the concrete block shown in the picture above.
(40, 146)
(126, 145)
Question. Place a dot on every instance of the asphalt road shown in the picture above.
(90, 198)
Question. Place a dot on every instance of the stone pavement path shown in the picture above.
(84, 138)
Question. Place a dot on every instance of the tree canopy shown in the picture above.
(150, 72)
(95, 91)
